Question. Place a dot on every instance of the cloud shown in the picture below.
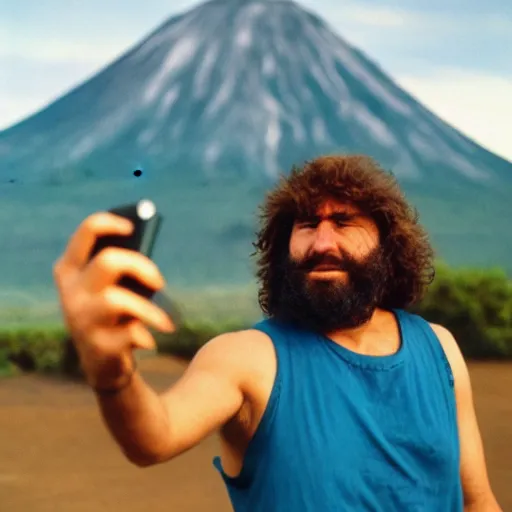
(36, 75)
(14, 108)
(412, 45)
(419, 19)
(408, 39)
(55, 50)
(383, 17)
(479, 105)
(37, 72)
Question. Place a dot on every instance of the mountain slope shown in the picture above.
(228, 95)
(240, 89)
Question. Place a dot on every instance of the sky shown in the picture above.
(455, 56)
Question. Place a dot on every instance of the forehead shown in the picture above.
(331, 206)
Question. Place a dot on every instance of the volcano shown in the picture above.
(243, 89)
(230, 94)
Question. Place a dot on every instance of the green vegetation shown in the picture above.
(190, 338)
(32, 348)
(475, 305)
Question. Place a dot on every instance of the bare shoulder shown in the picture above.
(452, 351)
(237, 345)
(446, 338)
(221, 378)
(478, 494)
(242, 354)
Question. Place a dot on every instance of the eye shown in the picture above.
(342, 220)
(308, 225)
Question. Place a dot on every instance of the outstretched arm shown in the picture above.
(152, 428)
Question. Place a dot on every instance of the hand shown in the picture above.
(93, 304)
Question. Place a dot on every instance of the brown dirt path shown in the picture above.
(56, 455)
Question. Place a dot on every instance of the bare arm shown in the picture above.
(152, 428)
(149, 428)
(137, 420)
(478, 495)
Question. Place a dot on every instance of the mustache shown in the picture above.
(327, 262)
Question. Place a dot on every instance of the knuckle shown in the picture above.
(94, 222)
(108, 259)
(156, 276)
(110, 297)
(99, 345)
(152, 268)
(133, 329)
(90, 224)
(98, 338)
(78, 310)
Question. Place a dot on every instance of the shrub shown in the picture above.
(476, 306)
(191, 337)
(32, 348)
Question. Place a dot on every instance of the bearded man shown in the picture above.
(340, 399)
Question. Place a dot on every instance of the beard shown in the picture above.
(328, 305)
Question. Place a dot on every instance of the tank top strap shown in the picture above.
(425, 341)
(280, 342)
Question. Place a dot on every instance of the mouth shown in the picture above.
(326, 268)
(326, 273)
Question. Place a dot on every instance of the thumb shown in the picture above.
(139, 336)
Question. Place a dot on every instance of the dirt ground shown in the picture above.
(56, 455)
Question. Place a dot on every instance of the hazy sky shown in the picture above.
(453, 55)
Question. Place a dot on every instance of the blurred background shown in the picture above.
(211, 102)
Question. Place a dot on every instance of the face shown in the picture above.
(335, 274)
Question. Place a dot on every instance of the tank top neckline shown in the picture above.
(385, 362)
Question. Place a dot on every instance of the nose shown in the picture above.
(325, 238)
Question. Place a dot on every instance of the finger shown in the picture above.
(116, 301)
(140, 336)
(107, 268)
(83, 239)
(163, 300)
(111, 341)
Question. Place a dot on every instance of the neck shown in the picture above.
(377, 335)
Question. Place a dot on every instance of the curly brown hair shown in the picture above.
(359, 181)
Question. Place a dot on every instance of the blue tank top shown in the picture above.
(349, 432)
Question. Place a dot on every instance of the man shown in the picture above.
(340, 399)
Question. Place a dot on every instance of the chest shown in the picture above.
(389, 431)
